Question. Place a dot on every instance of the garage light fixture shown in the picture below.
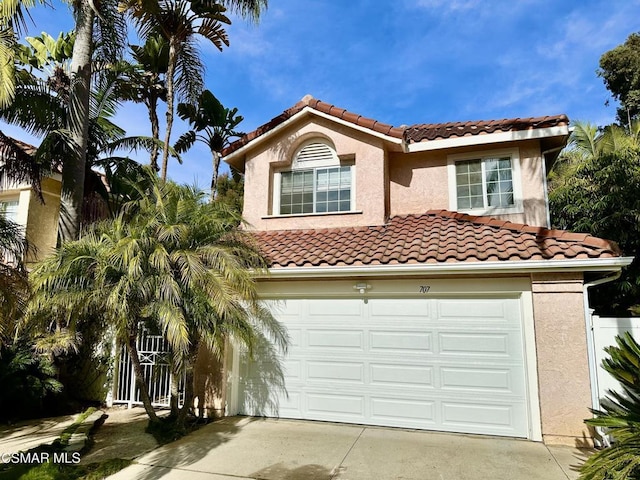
(361, 287)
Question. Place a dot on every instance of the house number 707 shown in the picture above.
(424, 288)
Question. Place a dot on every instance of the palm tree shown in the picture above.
(12, 25)
(14, 287)
(146, 83)
(212, 124)
(181, 22)
(170, 261)
(41, 108)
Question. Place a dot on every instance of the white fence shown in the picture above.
(604, 334)
(153, 351)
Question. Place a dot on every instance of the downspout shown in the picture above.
(591, 349)
(544, 182)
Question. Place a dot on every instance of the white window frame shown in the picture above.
(313, 165)
(516, 178)
(10, 200)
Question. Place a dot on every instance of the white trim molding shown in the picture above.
(488, 138)
(510, 267)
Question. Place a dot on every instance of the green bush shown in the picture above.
(620, 416)
(27, 379)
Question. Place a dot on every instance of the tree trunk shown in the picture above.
(188, 384)
(171, 68)
(155, 132)
(174, 399)
(140, 380)
(73, 169)
(214, 176)
(188, 398)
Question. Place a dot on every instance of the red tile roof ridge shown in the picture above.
(413, 133)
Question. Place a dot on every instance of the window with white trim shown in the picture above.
(485, 183)
(316, 183)
(9, 209)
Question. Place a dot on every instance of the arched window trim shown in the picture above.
(317, 182)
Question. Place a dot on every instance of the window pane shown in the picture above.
(475, 190)
(333, 189)
(9, 210)
(296, 192)
(505, 163)
(333, 206)
(464, 203)
(477, 202)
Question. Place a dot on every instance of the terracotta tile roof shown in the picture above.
(436, 237)
(434, 131)
(7, 142)
(413, 133)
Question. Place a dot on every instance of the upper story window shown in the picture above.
(316, 183)
(9, 209)
(487, 183)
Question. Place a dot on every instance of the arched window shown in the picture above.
(316, 183)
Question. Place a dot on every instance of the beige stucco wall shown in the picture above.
(563, 372)
(42, 220)
(365, 150)
(419, 181)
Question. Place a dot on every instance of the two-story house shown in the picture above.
(413, 288)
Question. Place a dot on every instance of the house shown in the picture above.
(36, 211)
(417, 276)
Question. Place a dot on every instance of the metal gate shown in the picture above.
(153, 351)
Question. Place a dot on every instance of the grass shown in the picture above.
(61, 471)
(50, 471)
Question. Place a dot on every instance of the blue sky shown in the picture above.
(403, 62)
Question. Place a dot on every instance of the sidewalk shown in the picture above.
(29, 434)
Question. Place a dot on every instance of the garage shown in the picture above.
(446, 364)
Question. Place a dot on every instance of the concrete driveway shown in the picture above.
(245, 448)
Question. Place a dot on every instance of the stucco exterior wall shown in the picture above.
(365, 151)
(419, 181)
(42, 220)
(563, 372)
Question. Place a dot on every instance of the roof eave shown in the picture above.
(613, 264)
(489, 138)
(235, 158)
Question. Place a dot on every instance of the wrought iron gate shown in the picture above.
(153, 351)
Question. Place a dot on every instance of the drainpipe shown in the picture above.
(544, 182)
(591, 350)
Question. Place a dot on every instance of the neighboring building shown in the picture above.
(414, 291)
(22, 204)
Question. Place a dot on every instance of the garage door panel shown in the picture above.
(339, 405)
(488, 417)
(403, 341)
(478, 343)
(342, 339)
(406, 375)
(334, 308)
(478, 379)
(335, 371)
(411, 308)
(403, 412)
(476, 310)
(442, 364)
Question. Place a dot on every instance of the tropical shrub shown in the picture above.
(27, 380)
(620, 416)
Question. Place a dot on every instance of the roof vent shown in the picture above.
(316, 152)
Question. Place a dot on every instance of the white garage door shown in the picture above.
(438, 364)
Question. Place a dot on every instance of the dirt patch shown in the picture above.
(122, 435)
